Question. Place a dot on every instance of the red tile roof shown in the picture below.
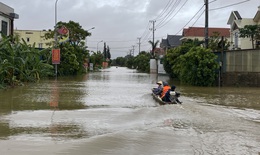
(200, 31)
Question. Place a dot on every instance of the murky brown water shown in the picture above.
(112, 112)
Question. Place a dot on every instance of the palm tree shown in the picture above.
(154, 45)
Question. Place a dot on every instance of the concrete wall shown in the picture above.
(240, 68)
(153, 66)
(160, 67)
(243, 61)
(241, 79)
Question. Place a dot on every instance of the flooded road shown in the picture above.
(112, 112)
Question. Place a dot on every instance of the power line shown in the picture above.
(229, 5)
(190, 20)
(198, 18)
(139, 44)
(164, 10)
(175, 5)
(162, 25)
(146, 31)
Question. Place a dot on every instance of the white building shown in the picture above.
(7, 17)
(236, 22)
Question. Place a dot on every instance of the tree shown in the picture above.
(250, 31)
(172, 60)
(73, 52)
(119, 61)
(198, 67)
(129, 61)
(108, 53)
(96, 59)
(142, 62)
(215, 42)
(154, 45)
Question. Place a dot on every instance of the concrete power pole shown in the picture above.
(139, 43)
(133, 50)
(206, 23)
(153, 29)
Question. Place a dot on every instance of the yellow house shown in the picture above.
(34, 37)
(236, 21)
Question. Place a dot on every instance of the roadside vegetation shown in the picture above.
(190, 62)
(21, 63)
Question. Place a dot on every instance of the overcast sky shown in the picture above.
(120, 22)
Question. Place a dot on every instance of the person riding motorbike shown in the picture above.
(166, 87)
(172, 96)
(158, 90)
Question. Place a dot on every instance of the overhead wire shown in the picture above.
(173, 15)
(229, 5)
(166, 16)
(174, 6)
(190, 19)
(164, 10)
(146, 32)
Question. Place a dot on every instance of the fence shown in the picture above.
(240, 67)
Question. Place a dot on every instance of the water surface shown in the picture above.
(112, 112)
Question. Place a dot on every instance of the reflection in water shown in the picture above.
(54, 95)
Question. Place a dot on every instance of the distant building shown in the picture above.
(7, 17)
(34, 37)
(199, 33)
(170, 42)
(236, 21)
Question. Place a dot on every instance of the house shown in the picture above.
(170, 42)
(236, 21)
(199, 33)
(7, 17)
(34, 37)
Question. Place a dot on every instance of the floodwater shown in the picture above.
(112, 112)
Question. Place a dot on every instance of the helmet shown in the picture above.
(165, 83)
(173, 88)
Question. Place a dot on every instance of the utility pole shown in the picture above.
(206, 23)
(56, 38)
(153, 29)
(139, 43)
(133, 50)
(130, 52)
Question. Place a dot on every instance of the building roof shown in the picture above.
(257, 16)
(164, 43)
(200, 32)
(7, 11)
(174, 40)
(234, 16)
(171, 41)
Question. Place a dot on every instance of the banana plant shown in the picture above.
(20, 62)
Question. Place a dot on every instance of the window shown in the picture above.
(4, 28)
(236, 39)
(28, 39)
(40, 45)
